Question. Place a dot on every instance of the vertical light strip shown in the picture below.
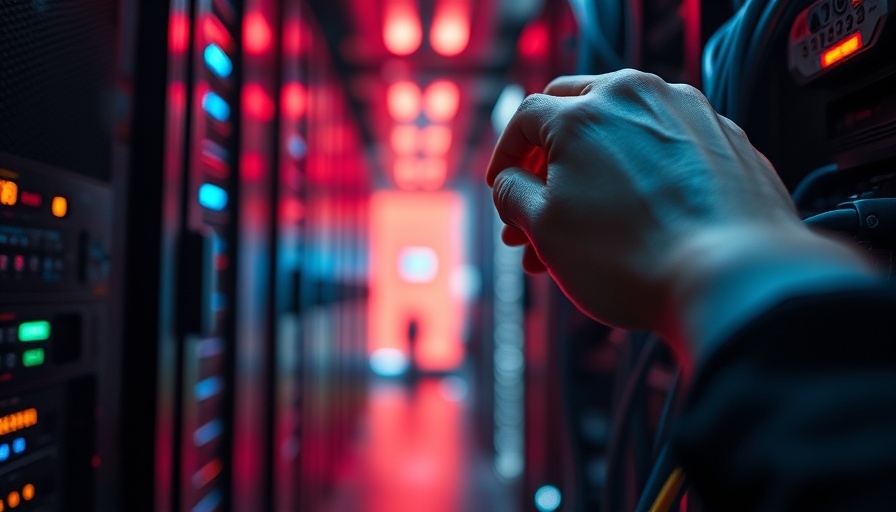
(509, 358)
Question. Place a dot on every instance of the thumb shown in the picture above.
(518, 196)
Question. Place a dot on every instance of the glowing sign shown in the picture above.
(9, 193)
(34, 331)
(59, 206)
(17, 421)
(217, 61)
(33, 357)
(842, 50)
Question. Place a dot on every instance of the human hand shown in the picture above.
(632, 192)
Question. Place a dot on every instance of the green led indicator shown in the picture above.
(34, 331)
(33, 357)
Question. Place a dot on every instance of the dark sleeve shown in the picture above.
(797, 410)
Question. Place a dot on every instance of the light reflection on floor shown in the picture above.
(416, 454)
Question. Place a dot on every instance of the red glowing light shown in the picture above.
(178, 32)
(432, 220)
(292, 210)
(252, 167)
(402, 33)
(295, 99)
(257, 34)
(292, 38)
(257, 103)
(405, 172)
(31, 199)
(441, 101)
(403, 101)
(450, 32)
(436, 140)
(534, 40)
(841, 50)
(216, 33)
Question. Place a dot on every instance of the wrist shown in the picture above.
(722, 278)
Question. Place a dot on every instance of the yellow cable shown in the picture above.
(666, 497)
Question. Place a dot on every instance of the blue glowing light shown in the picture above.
(215, 106)
(18, 445)
(4, 452)
(208, 388)
(548, 498)
(217, 61)
(212, 197)
(209, 502)
(208, 432)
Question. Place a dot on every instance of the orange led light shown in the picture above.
(9, 193)
(28, 492)
(13, 499)
(18, 420)
(59, 206)
(841, 50)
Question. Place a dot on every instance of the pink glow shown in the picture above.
(436, 140)
(403, 139)
(403, 101)
(257, 103)
(400, 220)
(178, 33)
(450, 32)
(402, 33)
(294, 98)
(441, 101)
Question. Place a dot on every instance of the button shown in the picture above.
(34, 264)
(10, 361)
(18, 262)
(4, 262)
(12, 334)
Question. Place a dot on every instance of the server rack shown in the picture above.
(63, 149)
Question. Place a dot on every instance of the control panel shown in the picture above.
(830, 32)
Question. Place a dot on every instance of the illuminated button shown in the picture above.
(33, 357)
(18, 445)
(13, 499)
(28, 492)
(2, 506)
(59, 206)
(34, 331)
(9, 193)
(18, 262)
(4, 262)
(4, 452)
(31, 199)
(841, 50)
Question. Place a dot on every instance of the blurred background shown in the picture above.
(248, 260)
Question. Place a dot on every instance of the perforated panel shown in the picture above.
(56, 82)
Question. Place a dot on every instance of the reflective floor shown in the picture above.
(416, 452)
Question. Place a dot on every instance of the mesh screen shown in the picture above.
(56, 82)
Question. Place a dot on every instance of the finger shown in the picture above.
(572, 85)
(514, 236)
(518, 195)
(523, 136)
(532, 264)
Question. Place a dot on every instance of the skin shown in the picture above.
(651, 211)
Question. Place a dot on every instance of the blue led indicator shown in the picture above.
(4, 452)
(208, 388)
(212, 197)
(18, 445)
(215, 106)
(209, 502)
(217, 61)
(208, 432)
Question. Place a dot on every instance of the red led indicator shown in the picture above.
(258, 34)
(18, 262)
(841, 50)
(31, 199)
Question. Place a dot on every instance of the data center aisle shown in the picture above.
(416, 453)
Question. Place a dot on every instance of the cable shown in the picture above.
(811, 182)
(615, 452)
(669, 492)
(669, 407)
(662, 469)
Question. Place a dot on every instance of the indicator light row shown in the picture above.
(15, 498)
(17, 447)
(10, 196)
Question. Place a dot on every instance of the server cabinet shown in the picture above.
(62, 154)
